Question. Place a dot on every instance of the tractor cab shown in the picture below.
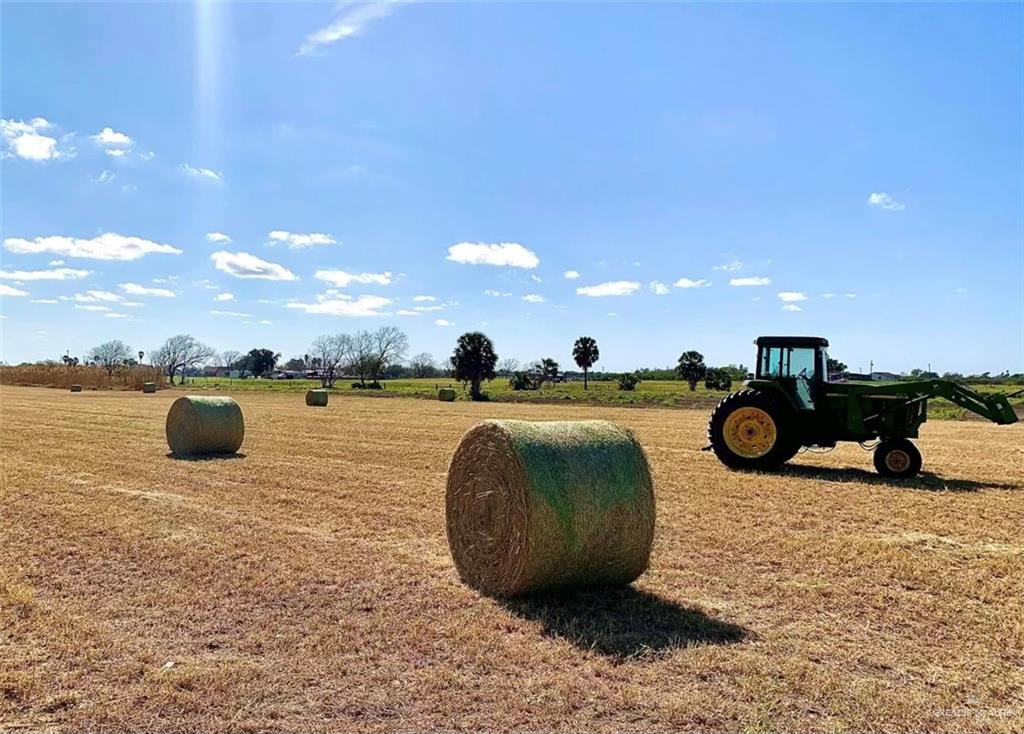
(800, 363)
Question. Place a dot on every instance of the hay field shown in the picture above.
(307, 585)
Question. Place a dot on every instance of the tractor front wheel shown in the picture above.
(897, 458)
(751, 429)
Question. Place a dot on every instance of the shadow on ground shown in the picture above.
(623, 623)
(924, 481)
(205, 457)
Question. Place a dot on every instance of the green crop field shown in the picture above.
(664, 393)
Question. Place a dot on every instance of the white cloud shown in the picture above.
(244, 265)
(571, 275)
(534, 298)
(95, 295)
(105, 177)
(167, 279)
(536, 278)
(114, 315)
(203, 173)
(406, 312)
(207, 284)
(426, 299)
(140, 290)
(230, 313)
(108, 137)
(218, 238)
(55, 263)
(730, 267)
(658, 288)
(58, 274)
(850, 295)
(340, 278)
(25, 140)
(612, 314)
(791, 307)
(108, 246)
(92, 308)
(753, 281)
(828, 295)
(222, 297)
(443, 322)
(344, 305)
(298, 241)
(496, 294)
(45, 300)
(354, 20)
(505, 254)
(883, 201)
(690, 283)
(6, 290)
(792, 296)
(611, 288)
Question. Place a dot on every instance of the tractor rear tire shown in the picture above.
(897, 458)
(752, 430)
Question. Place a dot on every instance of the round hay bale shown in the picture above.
(316, 397)
(76, 388)
(532, 506)
(446, 395)
(198, 425)
(149, 387)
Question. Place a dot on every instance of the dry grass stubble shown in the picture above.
(308, 586)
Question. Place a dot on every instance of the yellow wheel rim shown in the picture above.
(897, 460)
(750, 432)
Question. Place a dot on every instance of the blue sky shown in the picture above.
(859, 167)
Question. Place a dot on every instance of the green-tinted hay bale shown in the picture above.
(316, 397)
(198, 425)
(149, 387)
(76, 388)
(532, 506)
(446, 395)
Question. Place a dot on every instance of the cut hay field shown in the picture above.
(306, 585)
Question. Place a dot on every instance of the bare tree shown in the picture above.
(181, 353)
(507, 366)
(330, 353)
(422, 365)
(389, 346)
(360, 359)
(228, 358)
(110, 354)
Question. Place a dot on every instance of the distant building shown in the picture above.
(885, 377)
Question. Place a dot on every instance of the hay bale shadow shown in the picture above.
(205, 457)
(925, 481)
(623, 623)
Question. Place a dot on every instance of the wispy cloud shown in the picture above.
(7, 290)
(199, 172)
(690, 283)
(222, 297)
(353, 21)
(497, 294)
(443, 322)
(571, 275)
(791, 307)
(611, 288)
(299, 241)
(218, 238)
(109, 246)
(658, 288)
(504, 254)
(753, 281)
(534, 298)
(792, 296)
(56, 274)
(344, 305)
(424, 299)
(341, 279)
(244, 265)
(135, 289)
(730, 267)
(236, 314)
(883, 201)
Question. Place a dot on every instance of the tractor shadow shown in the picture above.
(623, 623)
(925, 481)
(205, 457)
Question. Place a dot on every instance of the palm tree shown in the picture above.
(474, 360)
(585, 352)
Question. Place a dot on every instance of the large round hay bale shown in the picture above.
(316, 397)
(76, 388)
(446, 395)
(533, 506)
(149, 387)
(198, 425)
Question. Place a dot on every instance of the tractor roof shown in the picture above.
(791, 341)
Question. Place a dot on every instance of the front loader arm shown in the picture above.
(995, 407)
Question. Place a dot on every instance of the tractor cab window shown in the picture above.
(801, 365)
(771, 362)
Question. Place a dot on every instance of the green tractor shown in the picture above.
(791, 404)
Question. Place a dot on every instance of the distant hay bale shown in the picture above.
(149, 387)
(76, 388)
(446, 395)
(316, 397)
(538, 505)
(198, 425)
